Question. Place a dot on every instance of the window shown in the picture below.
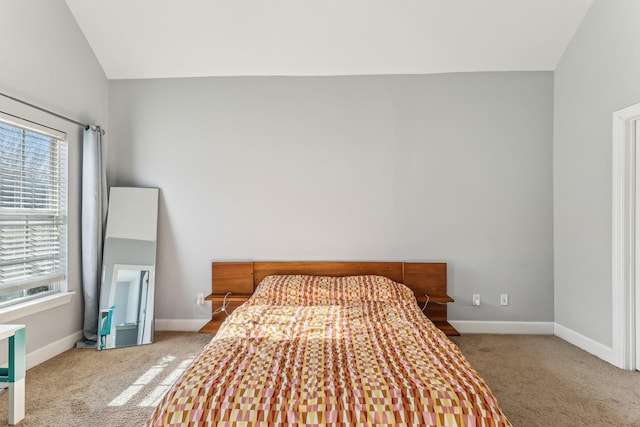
(33, 210)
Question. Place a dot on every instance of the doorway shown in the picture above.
(636, 287)
(625, 233)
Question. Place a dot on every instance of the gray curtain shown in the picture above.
(94, 215)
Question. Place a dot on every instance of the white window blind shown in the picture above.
(32, 210)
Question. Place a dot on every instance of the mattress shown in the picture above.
(312, 351)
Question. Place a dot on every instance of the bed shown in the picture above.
(312, 350)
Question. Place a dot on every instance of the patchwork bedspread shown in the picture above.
(315, 351)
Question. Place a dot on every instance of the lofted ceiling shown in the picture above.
(189, 38)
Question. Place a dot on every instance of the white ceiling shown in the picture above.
(187, 38)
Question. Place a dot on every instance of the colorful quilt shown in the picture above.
(316, 351)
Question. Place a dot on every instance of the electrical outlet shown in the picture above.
(476, 300)
(199, 299)
(504, 299)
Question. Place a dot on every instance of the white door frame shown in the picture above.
(623, 238)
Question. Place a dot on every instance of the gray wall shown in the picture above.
(598, 74)
(47, 61)
(454, 168)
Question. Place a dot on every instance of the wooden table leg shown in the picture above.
(17, 373)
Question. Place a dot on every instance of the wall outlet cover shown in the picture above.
(476, 300)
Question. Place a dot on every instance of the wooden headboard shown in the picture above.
(239, 279)
(242, 277)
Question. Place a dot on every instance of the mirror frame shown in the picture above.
(130, 243)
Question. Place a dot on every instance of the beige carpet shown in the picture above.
(541, 380)
(83, 387)
(538, 380)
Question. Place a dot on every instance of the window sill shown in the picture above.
(28, 308)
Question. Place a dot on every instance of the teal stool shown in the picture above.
(15, 374)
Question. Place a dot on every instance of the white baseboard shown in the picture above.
(53, 349)
(186, 325)
(587, 344)
(502, 327)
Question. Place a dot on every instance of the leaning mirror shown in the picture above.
(128, 269)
